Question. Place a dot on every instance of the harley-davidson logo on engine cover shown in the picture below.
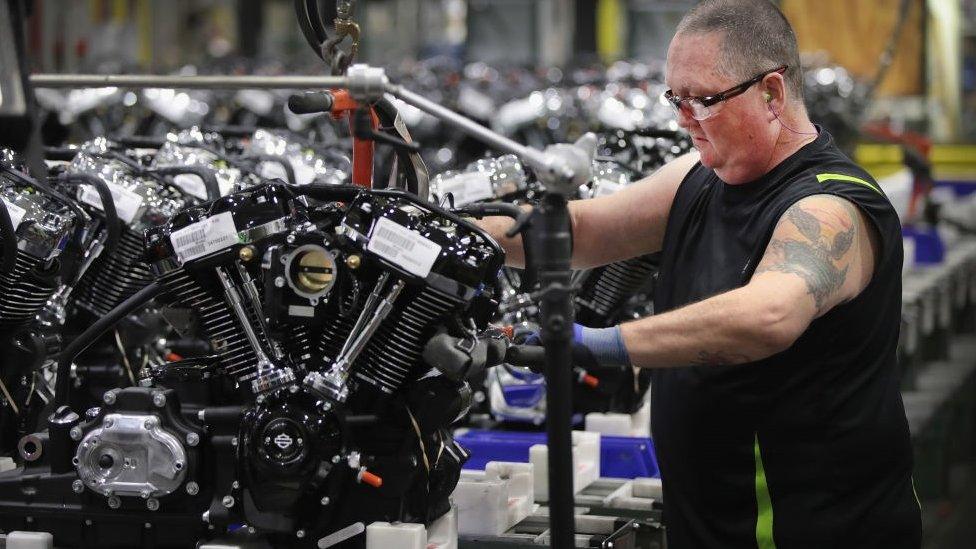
(283, 441)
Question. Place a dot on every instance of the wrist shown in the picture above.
(605, 344)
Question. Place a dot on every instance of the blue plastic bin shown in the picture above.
(620, 457)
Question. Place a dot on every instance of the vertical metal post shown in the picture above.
(552, 236)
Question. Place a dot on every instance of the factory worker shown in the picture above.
(777, 417)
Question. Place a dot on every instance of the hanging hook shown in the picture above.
(344, 27)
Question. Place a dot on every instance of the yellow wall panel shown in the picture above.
(854, 33)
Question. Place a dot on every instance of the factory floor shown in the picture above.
(952, 525)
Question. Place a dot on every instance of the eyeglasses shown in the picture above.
(701, 108)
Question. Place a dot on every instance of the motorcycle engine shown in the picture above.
(313, 411)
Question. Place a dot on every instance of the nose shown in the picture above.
(685, 120)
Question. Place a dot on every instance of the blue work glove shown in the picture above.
(593, 347)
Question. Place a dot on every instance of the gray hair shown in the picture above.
(756, 38)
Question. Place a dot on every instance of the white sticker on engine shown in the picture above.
(401, 246)
(467, 188)
(15, 212)
(191, 184)
(204, 237)
(127, 203)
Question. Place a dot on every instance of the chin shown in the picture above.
(732, 177)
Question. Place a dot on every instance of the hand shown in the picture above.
(593, 347)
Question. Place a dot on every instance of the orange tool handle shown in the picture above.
(344, 105)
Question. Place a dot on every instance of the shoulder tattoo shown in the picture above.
(817, 253)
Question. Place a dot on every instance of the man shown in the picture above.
(776, 411)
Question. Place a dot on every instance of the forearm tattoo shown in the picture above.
(814, 258)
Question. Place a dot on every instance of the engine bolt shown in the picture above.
(192, 439)
(152, 504)
(147, 525)
(145, 494)
(354, 261)
(233, 442)
(246, 253)
(159, 399)
(252, 530)
(279, 282)
(88, 522)
(336, 458)
(235, 485)
(178, 465)
(300, 534)
(325, 500)
(109, 398)
(228, 501)
(114, 502)
(290, 239)
(75, 433)
(192, 488)
(78, 486)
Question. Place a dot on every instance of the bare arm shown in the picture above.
(610, 228)
(820, 255)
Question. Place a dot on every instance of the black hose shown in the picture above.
(327, 193)
(140, 141)
(113, 225)
(532, 357)
(95, 331)
(231, 131)
(207, 176)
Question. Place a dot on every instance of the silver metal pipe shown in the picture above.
(382, 311)
(234, 299)
(371, 301)
(250, 288)
(332, 384)
(224, 82)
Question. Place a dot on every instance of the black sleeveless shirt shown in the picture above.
(808, 448)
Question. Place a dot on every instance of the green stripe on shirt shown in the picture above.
(764, 506)
(821, 177)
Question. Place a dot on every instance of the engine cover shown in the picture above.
(136, 445)
(131, 455)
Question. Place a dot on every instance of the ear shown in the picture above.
(774, 94)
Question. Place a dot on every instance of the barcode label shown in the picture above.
(127, 203)
(468, 188)
(15, 212)
(191, 184)
(605, 187)
(204, 237)
(401, 246)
